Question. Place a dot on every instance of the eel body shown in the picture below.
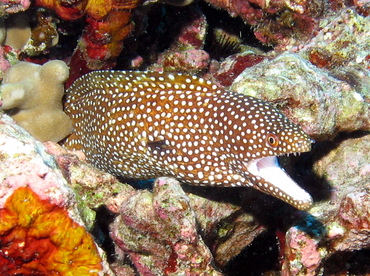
(142, 125)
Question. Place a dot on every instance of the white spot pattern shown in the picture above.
(150, 124)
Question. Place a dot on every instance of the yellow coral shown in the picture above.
(98, 9)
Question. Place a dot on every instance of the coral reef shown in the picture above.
(316, 71)
(322, 85)
(280, 23)
(225, 228)
(342, 42)
(185, 53)
(158, 231)
(41, 230)
(343, 215)
(93, 188)
(108, 24)
(32, 95)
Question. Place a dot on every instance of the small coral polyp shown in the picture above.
(39, 238)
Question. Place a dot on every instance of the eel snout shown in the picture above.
(273, 180)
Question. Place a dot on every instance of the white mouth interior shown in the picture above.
(282, 185)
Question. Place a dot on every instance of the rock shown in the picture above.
(339, 228)
(40, 221)
(158, 232)
(307, 95)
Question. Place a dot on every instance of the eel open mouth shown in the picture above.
(277, 182)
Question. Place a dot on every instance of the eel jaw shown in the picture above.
(273, 180)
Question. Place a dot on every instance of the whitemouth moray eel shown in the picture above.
(143, 125)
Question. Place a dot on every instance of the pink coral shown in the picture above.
(232, 66)
(4, 63)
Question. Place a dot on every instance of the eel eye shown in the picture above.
(272, 140)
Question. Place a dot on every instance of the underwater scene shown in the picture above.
(185, 137)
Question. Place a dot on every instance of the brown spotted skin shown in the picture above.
(143, 125)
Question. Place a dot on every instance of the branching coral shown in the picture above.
(39, 238)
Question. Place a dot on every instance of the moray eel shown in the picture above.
(143, 125)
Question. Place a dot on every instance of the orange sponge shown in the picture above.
(39, 238)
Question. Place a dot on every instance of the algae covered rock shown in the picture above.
(341, 217)
(322, 104)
